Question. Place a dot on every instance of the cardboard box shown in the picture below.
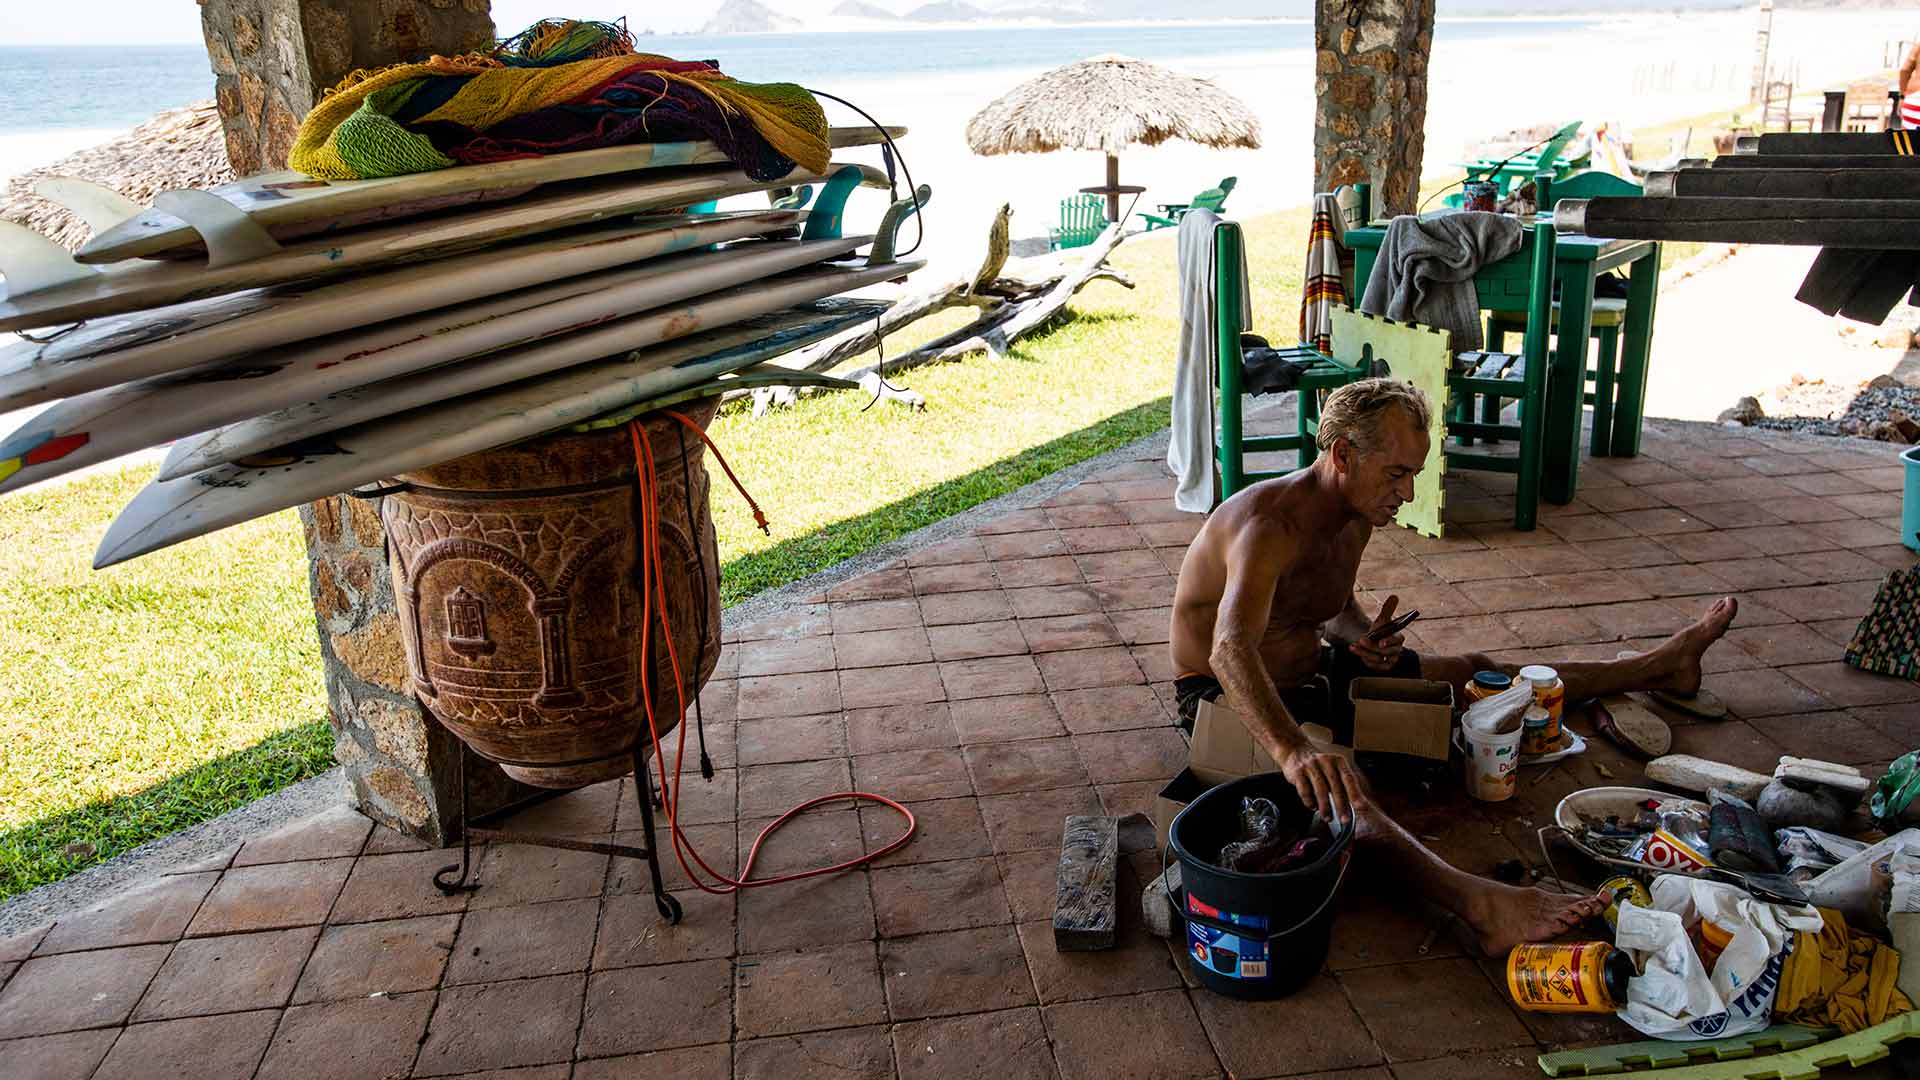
(1221, 749)
(1402, 716)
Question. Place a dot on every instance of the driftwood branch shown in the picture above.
(1011, 304)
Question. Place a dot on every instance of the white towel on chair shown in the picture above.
(1190, 451)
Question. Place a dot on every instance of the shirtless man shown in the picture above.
(1266, 601)
(1910, 88)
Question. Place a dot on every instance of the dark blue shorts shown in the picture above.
(1323, 700)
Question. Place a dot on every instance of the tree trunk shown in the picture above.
(1370, 95)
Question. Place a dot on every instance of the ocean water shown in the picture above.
(52, 88)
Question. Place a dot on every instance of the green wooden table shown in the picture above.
(1577, 262)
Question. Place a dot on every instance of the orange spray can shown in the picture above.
(1579, 977)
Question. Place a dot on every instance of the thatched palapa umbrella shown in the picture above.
(179, 148)
(1110, 103)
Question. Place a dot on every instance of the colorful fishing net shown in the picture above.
(556, 87)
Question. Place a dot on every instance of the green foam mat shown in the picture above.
(1800, 1058)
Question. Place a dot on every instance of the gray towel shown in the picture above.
(1190, 447)
(1425, 270)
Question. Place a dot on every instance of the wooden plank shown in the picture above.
(1086, 907)
(1782, 183)
(1816, 161)
(1731, 208)
(1873, 224)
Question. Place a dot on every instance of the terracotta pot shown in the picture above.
(515, 573)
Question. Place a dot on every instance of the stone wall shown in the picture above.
(403, 765)
(1370, 91)
(274, 59)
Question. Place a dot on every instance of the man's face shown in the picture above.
(1379, 480)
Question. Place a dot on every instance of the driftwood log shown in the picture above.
(1012, 304)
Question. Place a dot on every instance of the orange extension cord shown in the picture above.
(652, 585)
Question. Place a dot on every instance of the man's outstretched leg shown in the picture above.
(1501, 916)
(1674, 666)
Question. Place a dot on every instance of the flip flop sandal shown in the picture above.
(1633, 727)
(1704, 703)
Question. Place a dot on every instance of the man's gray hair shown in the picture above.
(1354, 411)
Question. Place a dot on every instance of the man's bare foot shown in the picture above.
(1675, 666)
(1505, 915)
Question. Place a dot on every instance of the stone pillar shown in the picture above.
(273, 59)
(404, 766)
(1370, 91)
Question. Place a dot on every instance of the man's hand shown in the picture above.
(1325, 782)
(1381, 653)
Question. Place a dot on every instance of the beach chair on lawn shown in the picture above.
(1506, 172)
(1082, 219)
(1214, 199)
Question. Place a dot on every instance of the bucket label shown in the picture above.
(1227, 954)
(1252, 922)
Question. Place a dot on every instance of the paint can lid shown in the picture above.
(1539, 674)
(1492, 680)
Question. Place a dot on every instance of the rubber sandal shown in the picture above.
(1633, 727)
(1704, 703)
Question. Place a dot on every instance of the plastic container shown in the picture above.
(1910, 501)
(1491, 759)
(1538, 733)
(1548, 692)
(1485, 684)
(1710, 939)
(1253, 935)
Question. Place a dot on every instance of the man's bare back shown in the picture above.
(1270, 522)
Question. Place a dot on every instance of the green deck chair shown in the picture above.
(1082, 219)
(1214, 199)
(1609, 315)
(1506, 173)
(1326, 374)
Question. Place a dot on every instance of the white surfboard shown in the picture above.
(138, 345)
(166, 513)
(107, 423)
(291, 204)
(370, 401)
(240, 262)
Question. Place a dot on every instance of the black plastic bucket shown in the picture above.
(1253, 935)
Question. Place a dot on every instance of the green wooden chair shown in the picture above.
(1609, 316)
(1214, 199)
(1231, 446)
(1082, 219)
(1526, 381)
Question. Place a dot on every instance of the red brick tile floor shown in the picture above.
(995, 683)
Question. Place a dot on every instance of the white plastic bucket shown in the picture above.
(1491, 761)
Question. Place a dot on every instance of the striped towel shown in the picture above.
(1328, 265)
(1909, 112)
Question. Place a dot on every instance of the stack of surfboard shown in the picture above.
(294, 338)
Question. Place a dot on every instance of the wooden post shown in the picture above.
(1113, 181)
(1370, 92)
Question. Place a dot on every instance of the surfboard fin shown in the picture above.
(830, 206)
(99, 206)
(888, 234)
(31, 262)
(229, 234)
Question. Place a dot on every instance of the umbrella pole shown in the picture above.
(1113, 181)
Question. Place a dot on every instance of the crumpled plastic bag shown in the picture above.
(1894, 792)
(1674, 996)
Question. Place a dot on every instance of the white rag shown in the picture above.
(1190, 450)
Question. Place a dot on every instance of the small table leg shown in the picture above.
(1643, 294)
(1567, 384)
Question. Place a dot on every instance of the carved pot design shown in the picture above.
(516, 576)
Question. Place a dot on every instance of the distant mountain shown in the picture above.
(948, 11)
(855, 9)
(749, 17)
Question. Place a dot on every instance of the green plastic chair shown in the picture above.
(1082, 219)
(1214, 199)
(1231, 446)
(1609, 316)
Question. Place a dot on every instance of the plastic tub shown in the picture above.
(1910, 502)
(1491, 759)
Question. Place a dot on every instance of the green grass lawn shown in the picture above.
(168, 690)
